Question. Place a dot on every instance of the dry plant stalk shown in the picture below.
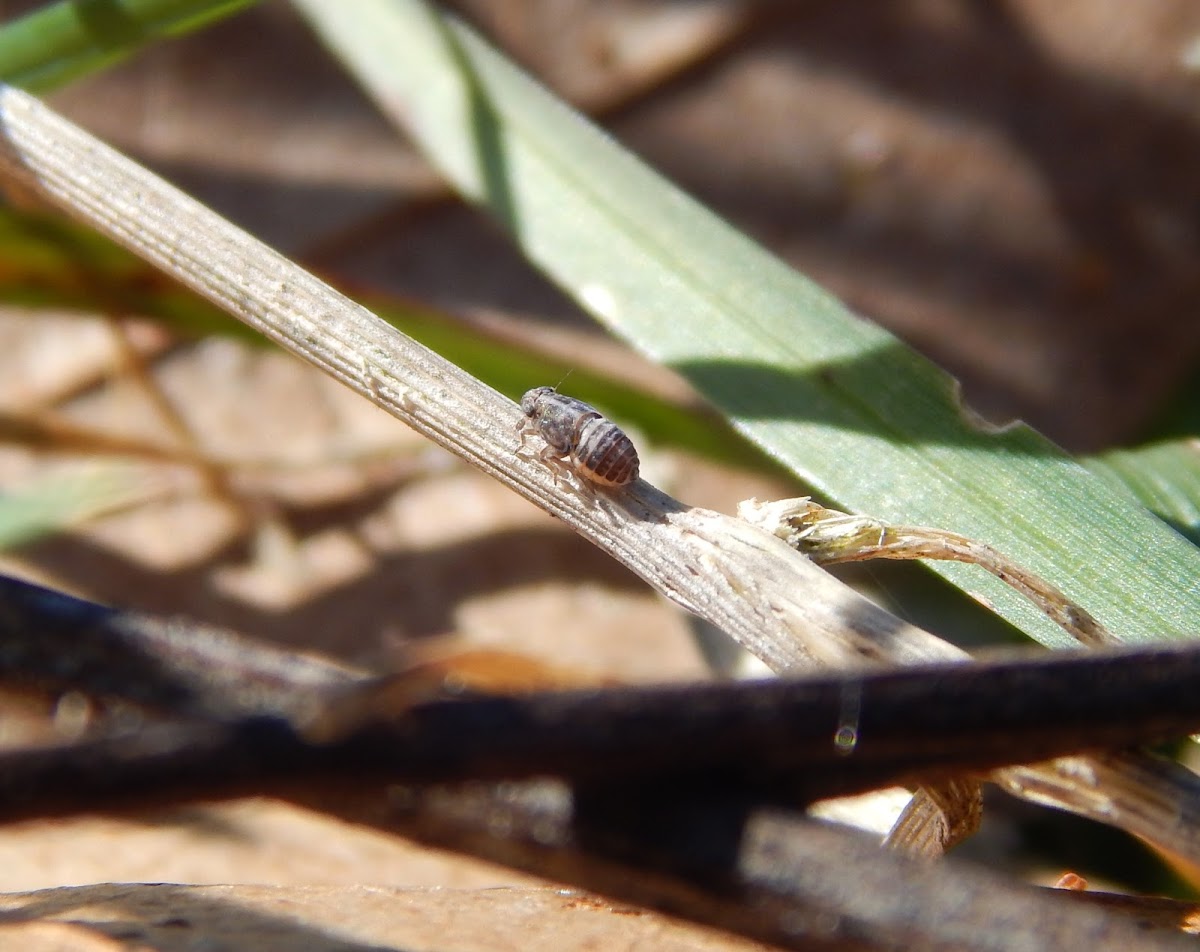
(772, 600)
(828, 537)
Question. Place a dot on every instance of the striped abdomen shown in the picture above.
(603, 453)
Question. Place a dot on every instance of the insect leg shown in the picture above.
(558, 466)
(522, 430)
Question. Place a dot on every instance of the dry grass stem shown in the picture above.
(828, 537)
(774, 602)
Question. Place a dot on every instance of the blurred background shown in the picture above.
(1007, 185)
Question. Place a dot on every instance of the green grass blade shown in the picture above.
(839, 401)
(1165, 478)
(66, 499)
(46, 261)
(64, 40)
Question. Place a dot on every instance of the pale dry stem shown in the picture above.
(773, 601)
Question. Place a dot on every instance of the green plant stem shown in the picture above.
(61, 41)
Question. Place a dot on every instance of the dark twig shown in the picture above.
(172, 665)
(664, 794)
(778, 878)
(788, 741)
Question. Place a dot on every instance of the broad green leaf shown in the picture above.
(64, 40)
(839, 401)
(1165, 478)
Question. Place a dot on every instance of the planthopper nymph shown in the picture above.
(578, 436)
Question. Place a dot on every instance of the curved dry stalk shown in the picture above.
(828, 537)
(1155, 799)
(1151, 797)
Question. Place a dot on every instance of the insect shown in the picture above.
(576, 434)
